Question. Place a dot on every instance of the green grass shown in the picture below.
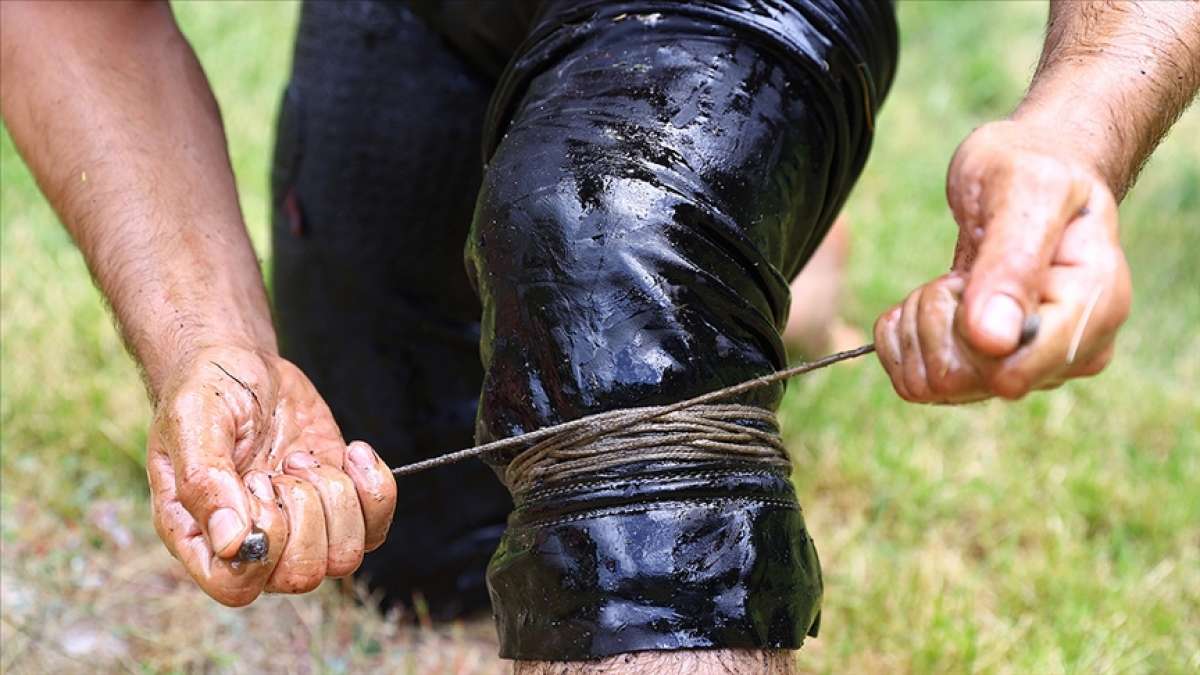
(1057, 534)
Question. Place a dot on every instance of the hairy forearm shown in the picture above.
(111, 110)
(1113, 77)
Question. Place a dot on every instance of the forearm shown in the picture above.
(1112, 79)
(112, 112)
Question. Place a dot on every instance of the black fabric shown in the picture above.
(484, 33)
(656, 173)
(376, 169)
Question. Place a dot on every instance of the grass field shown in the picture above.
(1060, 534)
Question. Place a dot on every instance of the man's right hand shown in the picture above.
(241, 439)
(111, 110)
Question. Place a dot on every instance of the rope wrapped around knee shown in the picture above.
(702, 432)
(554, 441)
(655, 173)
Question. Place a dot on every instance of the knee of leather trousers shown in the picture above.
(656, 173)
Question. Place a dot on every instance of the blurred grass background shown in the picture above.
(1060, 534)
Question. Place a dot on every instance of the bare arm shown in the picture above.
(1035, 199)
(1113, 78)
(111, 110)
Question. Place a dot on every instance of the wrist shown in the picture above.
(186, 334)
(1082, 142)
(1075, 104)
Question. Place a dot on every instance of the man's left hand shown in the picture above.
(1037, 236)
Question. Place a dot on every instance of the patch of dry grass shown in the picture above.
(101, 594)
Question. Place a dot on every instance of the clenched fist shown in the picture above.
(1037, 236)
(242, 440)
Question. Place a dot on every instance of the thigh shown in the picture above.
(376, 172)
(657, 172)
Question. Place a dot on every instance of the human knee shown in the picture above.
(652, 182)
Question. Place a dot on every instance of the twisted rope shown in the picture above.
(702, 432)
(616, 437)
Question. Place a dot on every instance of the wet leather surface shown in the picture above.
(666, 558)
(657, 172)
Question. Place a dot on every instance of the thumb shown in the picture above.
(1026, 216)
(199, 438)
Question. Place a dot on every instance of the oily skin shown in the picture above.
(116, 120)
(109, 107)
(1035, 198)
(264, 442)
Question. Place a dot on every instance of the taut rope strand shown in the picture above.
(566, 449)
(702, 432)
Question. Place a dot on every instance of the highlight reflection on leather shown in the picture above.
(656, 173)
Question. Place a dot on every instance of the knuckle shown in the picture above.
(233, 597)
(345, 563)
(880, 328)
(941, 386)
(377, 539)
(1010, 384)
(296, 493)
(916, 387)
(301, 580)
(187, 404)
(339, 489)
(916, 377)
(342, 480)
(1118, 315)
(1095, 366)
(898, 387)
(378, 498)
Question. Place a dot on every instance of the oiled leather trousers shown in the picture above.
(490, 217)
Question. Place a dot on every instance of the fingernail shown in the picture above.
(301, 460)
(254, 547)
(224, 526)
(1029, 329)
(260, 486)
(362, 456)
(1002, 319)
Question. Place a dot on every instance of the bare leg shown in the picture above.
(815, 326)
(704, 662)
